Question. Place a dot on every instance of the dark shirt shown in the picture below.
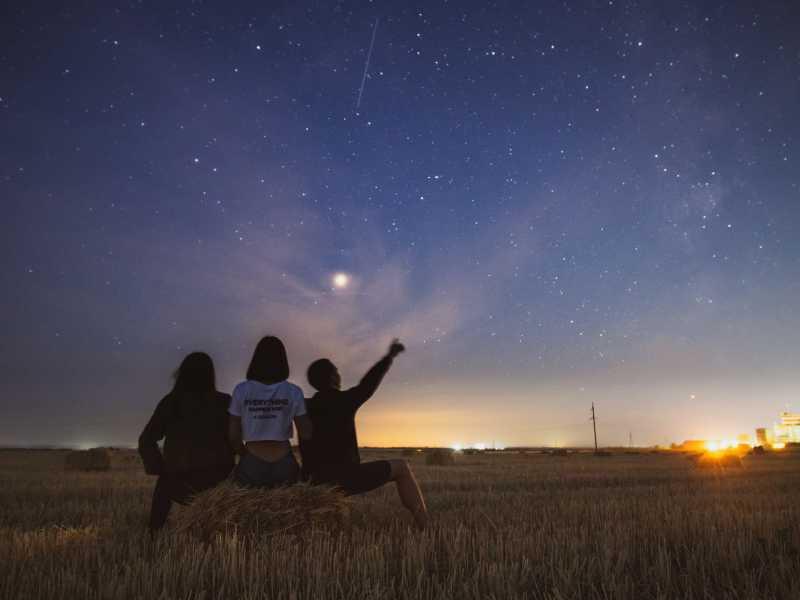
(334, 445)
(195, 428)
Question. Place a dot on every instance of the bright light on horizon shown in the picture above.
(720, 445)
(458, 446)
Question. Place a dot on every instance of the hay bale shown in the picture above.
(731, 461)
(440, 457)
(694, 457)
(712, 460)
(94, 459)
(260, 512)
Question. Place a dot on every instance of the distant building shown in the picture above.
(763, 437)
(788, 430)
(691, 446)
(790, 419)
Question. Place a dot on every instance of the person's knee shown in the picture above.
(400, 468)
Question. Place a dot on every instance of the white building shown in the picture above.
(788, 430)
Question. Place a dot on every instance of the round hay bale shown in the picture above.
(440, 457)
(94, 459)
(260, 512)
(731, 461)
(711, 460)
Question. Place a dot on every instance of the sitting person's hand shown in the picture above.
(396, 348)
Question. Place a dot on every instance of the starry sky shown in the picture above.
(551, 203)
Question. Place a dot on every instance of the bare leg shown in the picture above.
(409, 492)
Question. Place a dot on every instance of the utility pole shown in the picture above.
(594, 427)
(630, 439)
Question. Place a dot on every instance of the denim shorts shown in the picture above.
(256, 472)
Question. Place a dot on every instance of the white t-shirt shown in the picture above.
(267, 410)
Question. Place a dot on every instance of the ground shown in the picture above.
(629, 525)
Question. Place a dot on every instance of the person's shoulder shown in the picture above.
(241, 387)
(330, 398)
(169, 398)
(293, 388)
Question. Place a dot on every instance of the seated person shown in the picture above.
(193, 418)
(332, 456)
(262, 412)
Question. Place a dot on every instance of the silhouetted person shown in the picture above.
(332, 457)
(262, 411)
(192, 420)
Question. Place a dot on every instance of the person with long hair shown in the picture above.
(192, 421)
(332, 457)
(261, 415)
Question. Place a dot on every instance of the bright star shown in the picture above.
(341, 280)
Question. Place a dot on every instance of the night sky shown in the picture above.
(551, 203)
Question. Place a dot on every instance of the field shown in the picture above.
(503, 526)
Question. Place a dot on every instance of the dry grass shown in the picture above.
(439, 457)
(717, 460)
(94, 459)
(229, 508)
(503, 526)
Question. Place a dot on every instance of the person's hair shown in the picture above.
(319, 373)
(195, 375)
(269, 363)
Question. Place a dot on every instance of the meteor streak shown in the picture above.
(366, 65)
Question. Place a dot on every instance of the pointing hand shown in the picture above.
(396, 348)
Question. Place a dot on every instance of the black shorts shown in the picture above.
(358, 479)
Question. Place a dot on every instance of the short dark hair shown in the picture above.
(269, 363)
(195, 375)
(319, 373)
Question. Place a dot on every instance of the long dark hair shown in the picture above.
(269, 363)
(195, 375)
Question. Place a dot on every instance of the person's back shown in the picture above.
(263, 411)
(196, 437)
(192, 420)
(333, 414)
(267, 411)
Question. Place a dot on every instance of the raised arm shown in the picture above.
(370, 382)
(153, 432)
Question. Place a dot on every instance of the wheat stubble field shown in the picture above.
(504, 526)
